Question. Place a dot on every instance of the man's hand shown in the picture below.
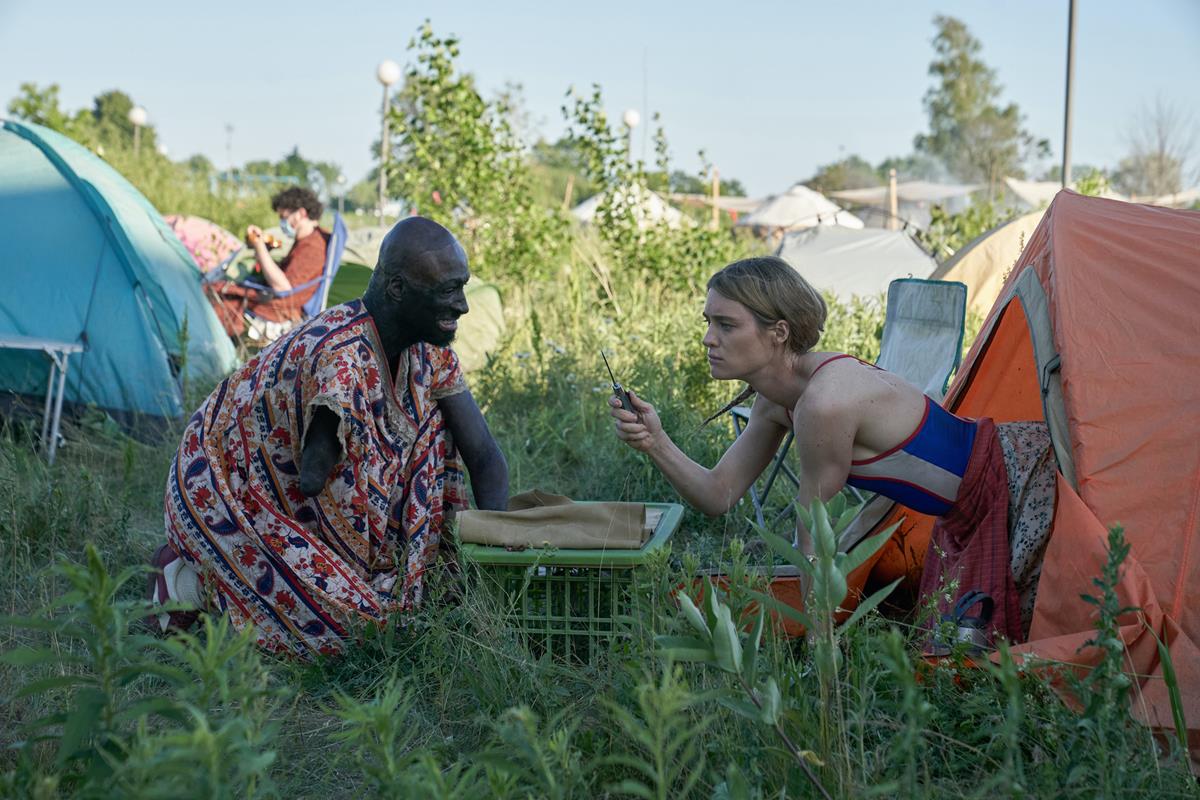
(322, 450)
(253, 235)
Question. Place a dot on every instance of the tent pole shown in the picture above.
(1066, 162)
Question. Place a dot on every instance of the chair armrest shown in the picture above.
(267, 290)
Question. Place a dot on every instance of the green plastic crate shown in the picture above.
(566, 603)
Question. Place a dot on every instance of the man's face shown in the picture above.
(291, 217)
(434, 296)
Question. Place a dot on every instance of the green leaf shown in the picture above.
(736, 787)
(836, 505)
(846, 517)
(53, 682)
(783, 548)
(31, 623)
(635, 788)
(875, 599)
(1172, 682)
(774, 604)
(805, 516)
(81, 724)
(686, 648)
(172, 675)
(29, 656)
(710, 605)
(867, 548)
(726, 645)
(772, 702)
(750, 658)
(824, 542)
(743, 707)
(150, 705)
(693, 615)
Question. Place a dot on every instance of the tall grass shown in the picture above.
(450, 703)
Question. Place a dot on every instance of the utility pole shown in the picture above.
(1066, 162)
(893, 202)
(716, 196)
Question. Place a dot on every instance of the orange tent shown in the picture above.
(1097, 332)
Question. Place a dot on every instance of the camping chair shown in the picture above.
(333, 259)
(922, 343)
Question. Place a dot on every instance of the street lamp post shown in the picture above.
(137, 116)
(1066, 162)
(631, 118)
(388, 72)
(341, 182)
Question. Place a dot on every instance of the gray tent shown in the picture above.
(850, 262)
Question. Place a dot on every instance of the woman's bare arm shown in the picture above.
(825, 432)
(712, 491)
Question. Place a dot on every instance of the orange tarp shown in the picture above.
(1123, 285)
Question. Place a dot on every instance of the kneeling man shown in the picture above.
(311, 488)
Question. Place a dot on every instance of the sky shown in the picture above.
(770, 90)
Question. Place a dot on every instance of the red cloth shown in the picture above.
(973, 538)
(304, 262)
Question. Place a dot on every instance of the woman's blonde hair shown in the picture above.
(772, 291)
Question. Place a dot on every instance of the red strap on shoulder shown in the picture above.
(826, 361)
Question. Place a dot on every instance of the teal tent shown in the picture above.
(87, 259)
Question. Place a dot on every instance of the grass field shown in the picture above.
(450, 703)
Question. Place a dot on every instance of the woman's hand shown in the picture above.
(641, 431)
(253, 235)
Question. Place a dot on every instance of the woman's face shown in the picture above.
(736, 343)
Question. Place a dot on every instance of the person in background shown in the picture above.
(261, 315)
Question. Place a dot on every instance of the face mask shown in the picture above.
(287, 228)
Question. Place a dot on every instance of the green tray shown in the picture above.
(566, 603)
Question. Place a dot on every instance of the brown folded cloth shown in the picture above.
(541, 519)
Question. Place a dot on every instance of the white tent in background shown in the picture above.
(1032, 195)
(850, 262)
(1185, 199)
(914, 199)
(649, 208)
(798, 208)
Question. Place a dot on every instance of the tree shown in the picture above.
(110, 113)
(200, 165)
(687, 183)
(1161, 141)
(40, 106)
(1054, 172)
(456, 160)
(851, 172)
(913, 167)
(554, 165)
(976, 139)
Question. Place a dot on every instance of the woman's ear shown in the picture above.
(780, 331)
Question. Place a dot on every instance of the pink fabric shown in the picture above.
(970, 543)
